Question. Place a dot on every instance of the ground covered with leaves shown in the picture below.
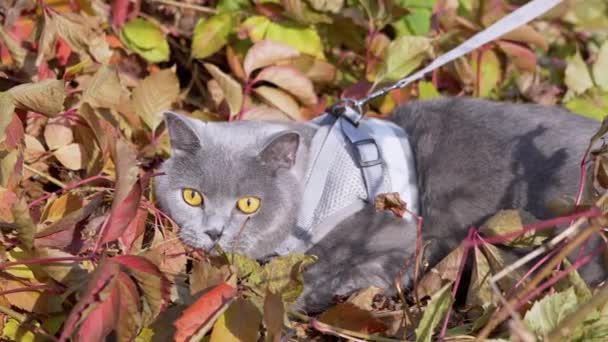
(86, 253)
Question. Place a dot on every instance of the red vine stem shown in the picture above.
(67, 188)
(27, 289)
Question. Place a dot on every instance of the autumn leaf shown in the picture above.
(104, 89)
(403, 56)
(391, 201)
(45, 97)
(351, 317)
(146, 39)
(578, 79)
(154, 95)
(211, 34)
(101, 285)
(199, 317)
(274, 315)
(231, 88)
(231, 327)
(265, 53)
(279, 99)
(291, 80)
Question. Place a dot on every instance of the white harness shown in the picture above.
(351, 161)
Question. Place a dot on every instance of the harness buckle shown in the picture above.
(368, 153)
(349, 109)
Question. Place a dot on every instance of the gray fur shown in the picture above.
(473, 158)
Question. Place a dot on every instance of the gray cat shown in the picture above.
(240, 184)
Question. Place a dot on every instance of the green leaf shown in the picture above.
(232, 5)
(593, 104)
(255, 27)
(417, 23)
(433, 313)
(546, 314)
(211, 34)
(284, 275)
(600, 67)
(146, 39)
(426, 90)
(403, 56)
(490, 73)
(578, 79)
(302, 38)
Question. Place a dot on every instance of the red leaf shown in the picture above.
(101, 320)
(14, 133)
(122, 215)
(120, 9)
(203, 312)
(153, 284)
(521, 56)
(63, 52)
(103, 278)
(357, 90)
(135, 228)
(129, 316)
(137, 263)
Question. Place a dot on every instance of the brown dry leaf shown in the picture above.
(274, 315)
(58, 133)
(73, 156)
(291, 80)
(364, 298)
(264, 113)
(104, 89)
(83, 34)
(349, 316)
(205, 276)
(7, 108)
(60, 207)
(44, 97)
(7, 200)
(445, 271)
(315, 69)
(168, 254)
(527, 34)
(11, 165)
(33, 148)
(480, 292)
(30, 301)
(100, 127)
(267, 52)
(281, 100)
(154, 95)
(14, 48)
(390, 201)
(231, 88)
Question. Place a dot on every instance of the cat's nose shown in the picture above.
(214, 234)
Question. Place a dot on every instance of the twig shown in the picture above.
(45, 176)
(186, 6)
(502, 314)
(66, 188)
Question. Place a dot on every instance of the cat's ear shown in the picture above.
(181, 133)
(281, 151)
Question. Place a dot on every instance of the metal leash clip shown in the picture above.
(348, 108)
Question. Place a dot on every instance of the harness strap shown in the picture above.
(369, 158)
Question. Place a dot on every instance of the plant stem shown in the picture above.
(42, 261)
(45, 176)
(186, 6)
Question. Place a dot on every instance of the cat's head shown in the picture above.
(236, 184)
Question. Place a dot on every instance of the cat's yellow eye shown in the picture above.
(248, 205)
(192, 197)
